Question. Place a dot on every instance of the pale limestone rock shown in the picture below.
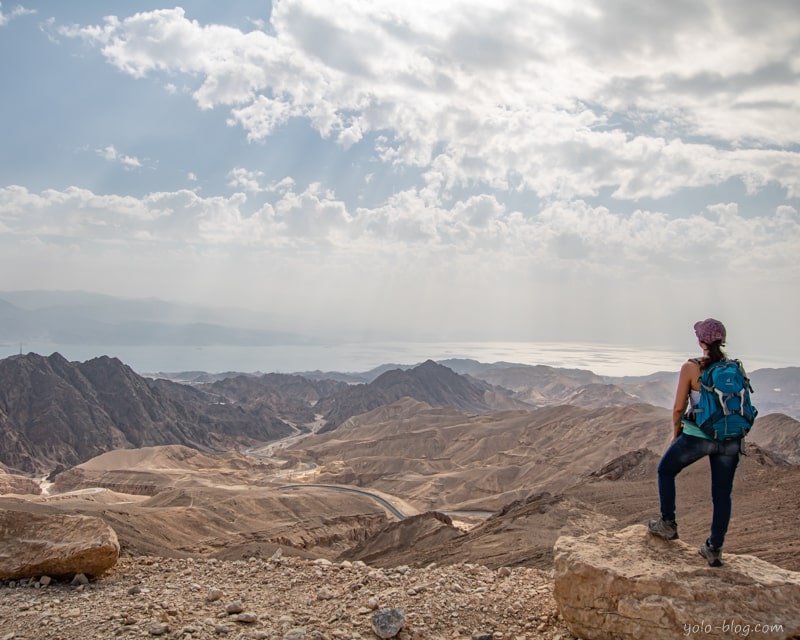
(628, 585)
(56, 545)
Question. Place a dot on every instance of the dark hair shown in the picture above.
(715, 354)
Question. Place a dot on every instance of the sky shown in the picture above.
(526, 170)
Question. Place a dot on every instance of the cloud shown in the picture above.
(574, 98)
(410, 267)
(17, 11)
(112, 155)
(421, 163)
(601, 240)
(240, 178)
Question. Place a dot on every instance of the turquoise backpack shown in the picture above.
(724, 411)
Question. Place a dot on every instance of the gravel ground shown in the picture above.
(284, 598)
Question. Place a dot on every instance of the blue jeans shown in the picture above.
(723, 457)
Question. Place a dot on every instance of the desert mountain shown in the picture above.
(439, 458)
(428, 382)
(536, 475)
(292, 397)
(85, 318)
(544, 473)
(776, 390)
(55, 413)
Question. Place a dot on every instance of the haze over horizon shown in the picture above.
(532, 171)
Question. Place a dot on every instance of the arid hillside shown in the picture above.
(406, 482)
(412, 484)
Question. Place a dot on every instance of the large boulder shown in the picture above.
(55, 545)
(628, 584)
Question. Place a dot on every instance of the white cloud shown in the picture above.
(409, 266)
(530, 87)
(240, 178)
(599, 239)
(551, 156)
(17, 11)
(112, 155)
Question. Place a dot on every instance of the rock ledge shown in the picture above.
(630, 585)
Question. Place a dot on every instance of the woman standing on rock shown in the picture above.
(690, 443)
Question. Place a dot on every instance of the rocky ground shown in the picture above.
(284, 598)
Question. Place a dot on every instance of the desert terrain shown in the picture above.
(507, 484)
(401, 505)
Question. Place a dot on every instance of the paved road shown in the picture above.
(385, 503)
(332, 487)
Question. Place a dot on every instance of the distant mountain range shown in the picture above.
(69, 318)
(55, 413)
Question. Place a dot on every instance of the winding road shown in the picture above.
(333, 487)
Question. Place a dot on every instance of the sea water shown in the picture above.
(602, 359)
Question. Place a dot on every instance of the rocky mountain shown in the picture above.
(428, 382)
(445, 459)
(504, 486)
(55, 413)
(292, 397)
(775, 390)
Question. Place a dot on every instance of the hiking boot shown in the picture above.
(712, 554)
(667, 529)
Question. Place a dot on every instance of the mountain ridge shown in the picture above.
(55, 414)
(104, 397)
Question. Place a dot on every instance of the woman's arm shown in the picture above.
(689, 371)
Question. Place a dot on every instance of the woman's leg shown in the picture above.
(683, 451)
(723, 469)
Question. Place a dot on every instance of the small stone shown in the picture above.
(45, 581)
(246, 618)
(158, 629)
(134, 590)
(325, 594)
(386, 623)
(221, 630)
(80, 579)
(234, 607)
(213, 595)
(482, 635)
(298, 633)
(190, 630)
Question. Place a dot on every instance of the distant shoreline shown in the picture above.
(602, 359)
